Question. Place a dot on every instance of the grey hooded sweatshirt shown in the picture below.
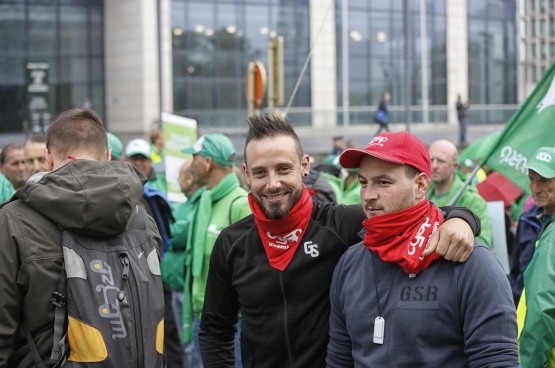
(93, 198)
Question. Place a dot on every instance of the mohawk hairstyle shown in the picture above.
(270, 126)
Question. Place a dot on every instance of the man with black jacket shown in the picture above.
(276, 265)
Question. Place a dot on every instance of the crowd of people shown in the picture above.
(282, 261)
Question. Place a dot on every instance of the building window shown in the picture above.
(542, 5)
(551, 26)
(551, 4)
(534, 74)
(542, 27)
(542, 71)
(533, 5)
(533, 28)
(533, 50)
(376, 53)
(543, 50)
(67, 36)
(213, 42)
(552, 49)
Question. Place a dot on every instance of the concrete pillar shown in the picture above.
(457, 55)
(323, 71)
(131, 62)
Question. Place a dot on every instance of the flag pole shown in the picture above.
(515, 120)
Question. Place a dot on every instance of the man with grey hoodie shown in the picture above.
(85, 193)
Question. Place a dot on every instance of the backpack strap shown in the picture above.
(59, 301)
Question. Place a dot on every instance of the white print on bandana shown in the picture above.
(418, 240)
(292, 237)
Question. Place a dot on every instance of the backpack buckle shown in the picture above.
(58, 299)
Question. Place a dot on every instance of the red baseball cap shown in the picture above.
(397, 147)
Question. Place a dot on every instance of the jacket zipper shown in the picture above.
(127, 275)
(287, 342)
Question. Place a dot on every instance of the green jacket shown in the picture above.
(336, 184)
(93, 198)
(537, 337)
(6, 188)
(223, 215)
(469, 198)
(173, 264)
(351, 195)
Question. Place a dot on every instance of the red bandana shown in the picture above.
(282, 237)
(402, 236)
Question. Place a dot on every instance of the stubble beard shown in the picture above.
(277, 211)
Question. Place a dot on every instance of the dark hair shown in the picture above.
(37, 139)
(8, 148)
(270, 126)
(77, 129)
(411, 171)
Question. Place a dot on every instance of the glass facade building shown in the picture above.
(492, 57)
(66, 35)
(214, 40)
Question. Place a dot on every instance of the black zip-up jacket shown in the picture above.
(285, 313)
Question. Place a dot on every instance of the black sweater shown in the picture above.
(285, 314)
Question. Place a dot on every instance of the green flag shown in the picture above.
(532, 126)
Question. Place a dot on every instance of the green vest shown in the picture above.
(173, 264)
(470, 198)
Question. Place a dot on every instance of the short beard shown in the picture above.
(279, 210)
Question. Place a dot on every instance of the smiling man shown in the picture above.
(394, 306)
(275, 266)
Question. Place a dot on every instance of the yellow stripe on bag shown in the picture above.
(85, 342)
(160, 337)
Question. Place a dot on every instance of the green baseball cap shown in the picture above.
(115, 145)
(216, 146)
(543, 162)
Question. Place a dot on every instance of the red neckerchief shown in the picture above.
(282, 237)
(402, 236)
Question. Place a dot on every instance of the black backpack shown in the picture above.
(110, 301)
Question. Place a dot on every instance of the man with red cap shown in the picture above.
(392, 304)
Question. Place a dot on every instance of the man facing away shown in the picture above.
(462, 114)
(276, 265)
(446, 183)
(414, 311)
(536, 321)
(85, 193)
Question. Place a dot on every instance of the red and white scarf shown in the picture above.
(281, 237)
(402, 236)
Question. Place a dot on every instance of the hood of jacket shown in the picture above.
(92, 198)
